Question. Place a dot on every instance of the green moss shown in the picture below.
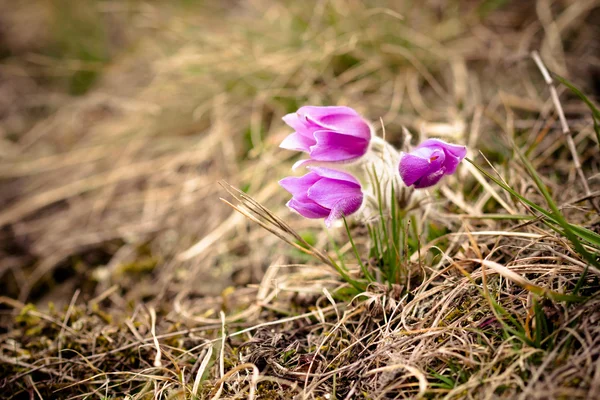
(104, 316)
(141, 266)
(25, 318)
(486, 7)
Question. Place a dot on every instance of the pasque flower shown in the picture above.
(329, 134)
(324, 193)
(429, 162)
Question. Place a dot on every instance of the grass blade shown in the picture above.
(588, 102)
(560, 219)
(590, 236)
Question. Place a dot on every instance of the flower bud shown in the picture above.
(328, 134)
(429, 162)
(324, 193)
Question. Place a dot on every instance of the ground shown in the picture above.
(124, 274)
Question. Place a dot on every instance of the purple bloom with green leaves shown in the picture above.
(429, 162)
(328, 134)
(324, 193)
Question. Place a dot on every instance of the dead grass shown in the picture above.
(123, 274)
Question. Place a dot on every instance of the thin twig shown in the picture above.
(564, 126)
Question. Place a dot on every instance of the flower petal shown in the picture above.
(429, 180)
(454, 153)
(454, 149)
(328, 192)
(300, 125)
(336, 146)
(308, 209)
(298, 186)
(344, 207)
(302, 163)
(297, 142)
(348, 124)
(317, 112)
(335, 174)
(420, 163)
(292, 120)
(451, 164)
(337, 118)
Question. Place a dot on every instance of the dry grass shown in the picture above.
(122, 273)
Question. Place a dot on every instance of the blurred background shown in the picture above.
(119, 117)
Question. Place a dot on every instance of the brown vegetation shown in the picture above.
(122, 273)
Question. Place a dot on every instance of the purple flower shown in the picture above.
(324, 193)
(432, 159)
(328, 133)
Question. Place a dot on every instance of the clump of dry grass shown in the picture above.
(122, 273)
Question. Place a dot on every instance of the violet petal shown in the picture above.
(429, 180)
(335, 174)
(308, 209)
(454, 153)
(454, 149)
(328, 192)
(335, 146)
(298, 186)
(344, 208)
(295, 141)
(317, 112)
(337, 118)
(420, 163)
(300, 125)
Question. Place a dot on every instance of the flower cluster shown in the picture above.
(342, 153)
